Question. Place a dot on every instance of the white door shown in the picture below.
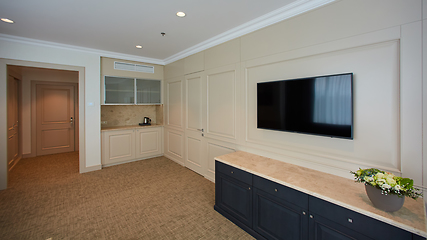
(55, 119)
(195, 145)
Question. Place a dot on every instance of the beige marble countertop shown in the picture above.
(129, 127)
(338, 190)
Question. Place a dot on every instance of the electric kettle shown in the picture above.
(147, 120)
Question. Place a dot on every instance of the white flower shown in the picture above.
(397, 187)
(380, 181)
(385, 186)
(379, 175)
(391, 181)
(368, 179)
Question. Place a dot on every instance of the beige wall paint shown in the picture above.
(175, 69)
(295, 48)
(339, 20)
(194, 63)
(223, 54)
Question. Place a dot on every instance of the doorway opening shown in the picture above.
(25, 145)
(48, 111)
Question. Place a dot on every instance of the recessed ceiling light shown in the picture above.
(180, 14)
(7, 20)
(138, 46)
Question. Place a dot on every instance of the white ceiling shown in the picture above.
(118, 26)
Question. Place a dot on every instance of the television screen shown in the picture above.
(316, 105)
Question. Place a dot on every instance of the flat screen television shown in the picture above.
(320, 105)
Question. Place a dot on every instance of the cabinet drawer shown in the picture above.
(233, 172)
(288, 194)
(360, 223)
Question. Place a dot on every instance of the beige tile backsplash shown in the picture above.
(124, 115)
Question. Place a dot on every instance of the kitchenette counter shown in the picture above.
(109, 128)
(338, 190)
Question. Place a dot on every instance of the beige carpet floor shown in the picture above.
(148, 199)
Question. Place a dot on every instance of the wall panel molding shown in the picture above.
(342, 154)
(222, 103)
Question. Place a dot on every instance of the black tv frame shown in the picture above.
(351, 137)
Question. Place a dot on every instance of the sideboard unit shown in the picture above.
(130, 143)
(251, 191)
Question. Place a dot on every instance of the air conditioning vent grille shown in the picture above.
(133, 67)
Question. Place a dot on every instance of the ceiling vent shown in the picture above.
(133, 67)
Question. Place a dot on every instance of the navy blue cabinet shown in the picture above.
(268, 210)
(279, 212)
(233, 196)
(326, 217)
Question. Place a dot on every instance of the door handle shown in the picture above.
(200, 129)
(71, 120)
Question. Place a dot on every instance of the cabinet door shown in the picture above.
(119, 90)
(275, 218)
(324, 229)
(330, 221)
(118, 146)
(147, 91)
(148, 142)
(234, 197)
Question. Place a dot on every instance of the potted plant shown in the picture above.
(385, 190)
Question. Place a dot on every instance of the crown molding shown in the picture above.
(102, 53)
(283, 13)
(280, 14)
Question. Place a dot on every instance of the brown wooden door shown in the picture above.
(12, 121)
(55, 118)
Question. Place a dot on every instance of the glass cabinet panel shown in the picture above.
(147, 91)
(119, 90)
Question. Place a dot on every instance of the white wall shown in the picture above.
(88, 66)
(379, 41)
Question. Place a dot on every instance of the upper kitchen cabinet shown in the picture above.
(119, 90)
(128, 83)
(147, 91)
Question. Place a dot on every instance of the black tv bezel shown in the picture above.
(309, 133)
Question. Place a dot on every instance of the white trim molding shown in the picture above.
(102, 53)
(293, 9)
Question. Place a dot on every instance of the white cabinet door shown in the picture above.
(148, 142)
(118, 146)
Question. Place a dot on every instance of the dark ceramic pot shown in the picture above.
(388, 203)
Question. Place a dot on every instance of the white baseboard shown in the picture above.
(91, 168)
(133, 160)
(174, 159)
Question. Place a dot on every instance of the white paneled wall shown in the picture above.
(382, 47)
(221, 106)
(375, 100)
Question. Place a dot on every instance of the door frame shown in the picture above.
(81, 69)
(34, 113)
